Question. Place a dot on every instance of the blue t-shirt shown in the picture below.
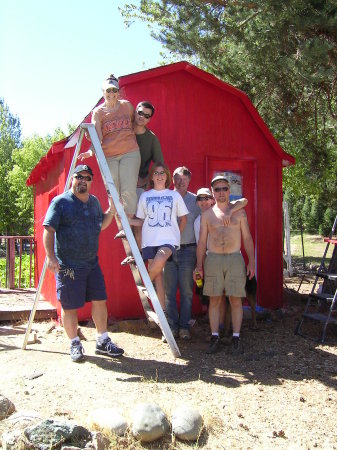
(77, 226)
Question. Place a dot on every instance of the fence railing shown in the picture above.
(17, 257)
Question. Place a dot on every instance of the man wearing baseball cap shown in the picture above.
(72, 227)
(224, 269)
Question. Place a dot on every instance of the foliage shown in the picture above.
(10, 138)
(25, 271)
(283, 55)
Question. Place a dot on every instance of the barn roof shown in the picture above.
(56, 150)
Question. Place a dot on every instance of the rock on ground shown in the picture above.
(149, 422)
(186, 423)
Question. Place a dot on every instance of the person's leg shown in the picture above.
(100, 315)
(186, 265)
(155, 268)
(237, 313)
(113, 163)
(70, 322)
(214, 313)
(128, 177)
(171, 286)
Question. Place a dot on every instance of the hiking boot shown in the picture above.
(175, 335)
(237, 347)
(184, 334)
(108, 348)
(76, 351)
(214, 345)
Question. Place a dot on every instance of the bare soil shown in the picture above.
(281, 393)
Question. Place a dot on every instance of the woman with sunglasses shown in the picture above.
(162, 213)
(113, 120)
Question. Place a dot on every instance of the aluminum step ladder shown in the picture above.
(140, 274)
(321, 306)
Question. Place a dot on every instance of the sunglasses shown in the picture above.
(83, 177)
(159, 173)
(142, 114)
(111, 90)
(221, 189)
(204, 199)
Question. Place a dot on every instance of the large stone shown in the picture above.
(6, 407)
(149, 422)
(109, 419)
(186, 423)
(99, 441)
(49, 433)
(13, 440)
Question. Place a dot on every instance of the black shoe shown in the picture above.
(76, 352)
(214, 345)
(237, 347)
(108, 348)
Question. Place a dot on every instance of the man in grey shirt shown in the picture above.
(179, 270)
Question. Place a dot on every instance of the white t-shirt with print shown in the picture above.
(160, 210)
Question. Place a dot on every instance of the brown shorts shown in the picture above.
(225, 273)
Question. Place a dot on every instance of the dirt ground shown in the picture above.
(281, 393)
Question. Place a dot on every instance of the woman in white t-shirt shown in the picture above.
(158, 211)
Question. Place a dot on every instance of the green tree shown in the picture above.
(10, 138)
(282, 54)
(24, 160)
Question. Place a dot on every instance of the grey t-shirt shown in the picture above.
(77, 226)
(188, 236)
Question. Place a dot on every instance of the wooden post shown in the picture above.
(11, 259)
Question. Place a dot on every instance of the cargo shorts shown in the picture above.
(224, 273)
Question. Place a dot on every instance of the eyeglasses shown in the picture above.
(83, 177)
(142, 114)
(111, 90)
(221, 189)
(203, 199)
(159, 173)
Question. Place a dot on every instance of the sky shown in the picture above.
(54, 56)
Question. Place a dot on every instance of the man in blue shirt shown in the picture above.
(72, 225)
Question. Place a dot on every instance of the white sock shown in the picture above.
(76, 340)
(215, 334)
(102, 337)
(236, 335)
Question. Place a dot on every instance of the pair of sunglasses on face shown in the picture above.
(142, 114)
(83, 177)
(112, 90)
(221, 189)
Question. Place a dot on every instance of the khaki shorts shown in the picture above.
(225, 273)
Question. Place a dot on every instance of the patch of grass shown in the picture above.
(314, 247)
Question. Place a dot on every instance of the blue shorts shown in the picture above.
(75, 287)
(150, 252)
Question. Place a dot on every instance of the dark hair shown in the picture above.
(148, 105)
(166, 170)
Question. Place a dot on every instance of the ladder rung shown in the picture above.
(143, 290)
(320, 317)
(322, 296)
(153, 317)
(327, 276)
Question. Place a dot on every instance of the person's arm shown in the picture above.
(182, 223)
(248, 245)
(202, 246)
(48, 243)
(132, 111)
(108, 215)
(234, 205)
(135, 221)
(157, 154)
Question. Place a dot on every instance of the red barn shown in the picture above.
(208, 126)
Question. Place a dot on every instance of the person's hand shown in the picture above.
(85, 155)
(198, 270)
(250, 270)
(53, 264)
(227, 218)
(112, 208)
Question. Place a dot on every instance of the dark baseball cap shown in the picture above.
(83, 168)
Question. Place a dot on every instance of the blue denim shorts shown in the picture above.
(150, 252)
(75, 287)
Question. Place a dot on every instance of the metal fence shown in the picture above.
(13, 251)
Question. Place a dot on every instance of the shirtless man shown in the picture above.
(224, 265)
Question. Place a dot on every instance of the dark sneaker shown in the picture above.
(214, 345)
(108, 348)
(237, 347)
(76, 352)
(184, 334)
